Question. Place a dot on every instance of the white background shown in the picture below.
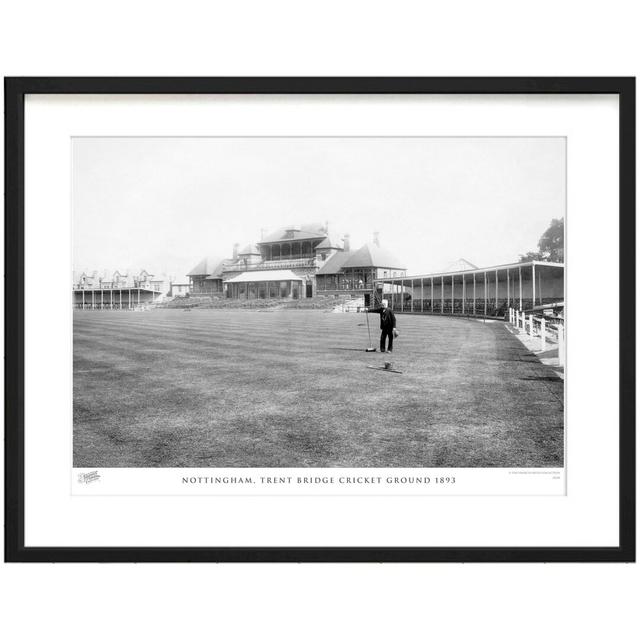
(328, 38)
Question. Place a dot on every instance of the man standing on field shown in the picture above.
(387, 325)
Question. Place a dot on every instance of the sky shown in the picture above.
(162, 204)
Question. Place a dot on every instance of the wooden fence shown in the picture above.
(550, 331)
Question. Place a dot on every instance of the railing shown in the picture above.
(274, 264)
(342, 287)
(547, 330)
(115, 306)
(293, 256)
(145, 286)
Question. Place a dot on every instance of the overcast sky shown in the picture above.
(164, 203)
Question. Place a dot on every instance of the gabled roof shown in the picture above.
(301, 232)
(216, 274)
(207, 267)
(459, 265)
(265, 276)
(371, 255)
(335, 263)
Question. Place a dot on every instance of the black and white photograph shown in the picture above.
(318, 302)
(371, 320)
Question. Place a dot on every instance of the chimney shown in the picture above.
(376, 238)
(235, 251)
(326, 227)
(345, 240)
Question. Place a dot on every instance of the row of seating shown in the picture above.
(458, 306)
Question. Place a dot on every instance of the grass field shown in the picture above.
(291, 388)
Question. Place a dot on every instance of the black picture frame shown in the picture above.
(15, 91)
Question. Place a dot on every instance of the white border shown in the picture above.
(441, 481)
(587, 516)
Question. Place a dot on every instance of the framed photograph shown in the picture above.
(320, 319)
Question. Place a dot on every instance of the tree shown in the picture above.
(550, 245)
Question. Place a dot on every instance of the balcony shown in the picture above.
(287, 263)
(343, 288)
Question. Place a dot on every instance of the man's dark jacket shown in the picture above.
(387, 318)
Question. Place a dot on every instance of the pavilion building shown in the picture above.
(487, 292)
(206, 277)
(298, 261)
(307, 261)
(355, 272)
(121, 290)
